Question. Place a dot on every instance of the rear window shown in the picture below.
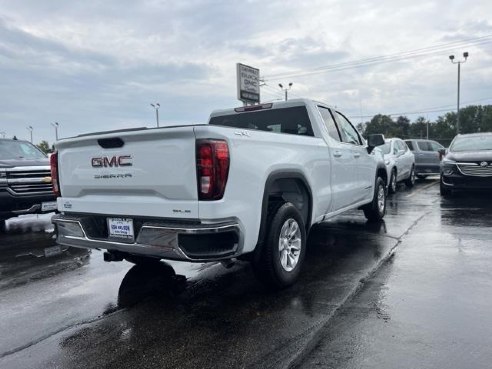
(14, 150)
(293, 120)
(410, 145)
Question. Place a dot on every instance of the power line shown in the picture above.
(423, 111)
(425, 51)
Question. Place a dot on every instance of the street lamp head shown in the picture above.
(465, 54)
(280, 85)
(158, 105)
(290, 84)
(451, 57)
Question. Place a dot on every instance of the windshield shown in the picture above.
(386, 148)
(476, 143)
(12, 150)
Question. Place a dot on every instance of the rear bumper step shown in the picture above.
(194, 242)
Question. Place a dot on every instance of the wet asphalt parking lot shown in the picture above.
(412, 292)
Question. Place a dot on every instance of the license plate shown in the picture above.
(48, 206)
(52, 251)
(121, 228)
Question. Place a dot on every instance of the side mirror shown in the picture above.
(373, 141)
(442, 153)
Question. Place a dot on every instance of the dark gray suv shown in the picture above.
(427, 157)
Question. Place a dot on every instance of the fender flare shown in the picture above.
(274, 176)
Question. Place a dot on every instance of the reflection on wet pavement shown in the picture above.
(125, 316)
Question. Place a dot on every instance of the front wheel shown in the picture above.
(410, 182)
(282, 255)
(376, 210)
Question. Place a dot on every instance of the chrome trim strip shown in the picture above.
(29, 169)
(170, 232)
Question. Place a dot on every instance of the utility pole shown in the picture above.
(285, 89)
(156, 106)
(56, 125)
(30, 129)
(459, 62)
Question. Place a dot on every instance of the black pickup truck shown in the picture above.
(25, 181)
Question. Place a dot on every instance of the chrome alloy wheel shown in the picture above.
(289, 244)
(381, 199)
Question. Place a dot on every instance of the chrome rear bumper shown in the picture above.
(197, 242)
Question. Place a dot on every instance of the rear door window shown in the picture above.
(410, 145)
(329, 123)
(293, 120)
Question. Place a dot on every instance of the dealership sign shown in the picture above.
(248, 84)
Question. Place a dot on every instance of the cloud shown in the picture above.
(96, 65)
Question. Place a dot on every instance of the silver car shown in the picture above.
(427, 157)
(400, 163)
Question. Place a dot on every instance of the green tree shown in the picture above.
(44, 146)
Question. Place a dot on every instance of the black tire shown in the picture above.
(272, 266)
(392, 182)
(445, 192)
(410, 181)
(375, 211)
(421, 176)
(142, 260)
(3, 226)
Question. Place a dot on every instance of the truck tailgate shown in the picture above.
(148, 172)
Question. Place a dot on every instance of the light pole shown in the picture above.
(459, 62)
(285, 89)
(56, 125)
(156, 106)
(30, 130)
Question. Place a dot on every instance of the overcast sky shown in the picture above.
(97, 65)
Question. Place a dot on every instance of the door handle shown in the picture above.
(337, 154)
(356, 155)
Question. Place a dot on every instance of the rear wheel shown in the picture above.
(3, 225)
(421, 176)
(376, 210)
(410, 181)
(282, 255)
(392, 182)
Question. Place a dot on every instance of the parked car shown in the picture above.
(249, 184)
(400, 163)
(25, 180)
(467, 164)
(427, 157)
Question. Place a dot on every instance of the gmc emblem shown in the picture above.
(115, 161)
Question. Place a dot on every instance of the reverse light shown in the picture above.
(54, 173)
(212, 166)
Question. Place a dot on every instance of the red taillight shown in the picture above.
(212, 167)
(54, 173)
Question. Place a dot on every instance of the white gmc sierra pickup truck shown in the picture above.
(249, 185)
